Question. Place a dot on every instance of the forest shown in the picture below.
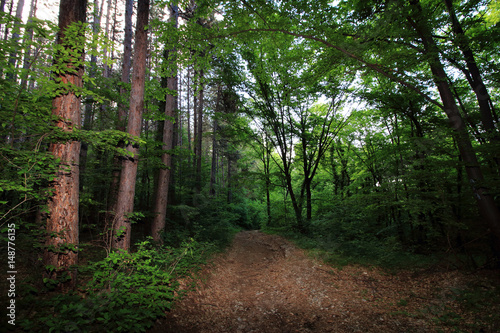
(139, 137)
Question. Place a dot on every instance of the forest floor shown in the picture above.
(264, 283)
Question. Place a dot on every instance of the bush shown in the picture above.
(128, 291)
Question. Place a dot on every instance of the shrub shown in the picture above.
(128, 291)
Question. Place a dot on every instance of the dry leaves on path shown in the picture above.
(263, 283)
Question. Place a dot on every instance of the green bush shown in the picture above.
(127, 292)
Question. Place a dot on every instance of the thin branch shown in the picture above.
(374, 67)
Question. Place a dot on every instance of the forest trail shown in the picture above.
(263, 283)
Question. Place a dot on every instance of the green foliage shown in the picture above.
(214, 221)
(27, 125)
(126, 293)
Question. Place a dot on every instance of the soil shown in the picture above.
(264, 283)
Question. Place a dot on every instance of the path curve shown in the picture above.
(263, 283)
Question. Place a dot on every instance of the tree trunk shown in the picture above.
(296, 206)
(195, 117)
(62, 224)
(122, 107)
(188, 114)
(174, 13)
(2, 9)
(125, 202)
(213, 171)
(6, 32)
(15, 38)
(88, 113)
(484, 200)
(28, 38)
(164, 174)
(199, 132)
(127, 54)
(229, 180)
(477, 83)
(308, 200)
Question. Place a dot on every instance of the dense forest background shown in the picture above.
(367, 130)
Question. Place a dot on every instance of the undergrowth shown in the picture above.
(340, 251)
(126, 291)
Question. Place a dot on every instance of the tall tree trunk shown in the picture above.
(28, 38)
(308, 199)
(297, 208)
(267, 175)
(126, 64)
(15, 38)
(199, 132)
(2, 9)
(484, 200)
(88, 113)
(125, 202)
(6, 32)
(195, 117)
(476, 82)
(164, 174)
(230, 177)
(174, 13)
(62, 223)
(106, 69)
(188, 114)
(213, 171)
(122, 107)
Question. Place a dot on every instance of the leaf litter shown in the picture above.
(264, 283)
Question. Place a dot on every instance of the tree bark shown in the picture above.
(15, 38)
(174, 13)
(88, 113)
(28, 38)
(122, 108)
(6, 32)
(266, 160)
(213, 171)
(61, 251)
(127, 55)
(195, 116)
(125, 202)
(484, 200)
(199, 132)
(165, 173)
(476, 82)
(188, 114)
(2, 9)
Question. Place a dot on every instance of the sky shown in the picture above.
(46, 9)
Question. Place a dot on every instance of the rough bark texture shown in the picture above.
(62, 222)
(126, 191)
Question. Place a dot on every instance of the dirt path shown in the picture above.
(265, 284)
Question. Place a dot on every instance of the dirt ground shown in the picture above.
(263, 283)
